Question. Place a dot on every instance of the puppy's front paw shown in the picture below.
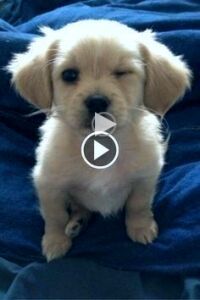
(143, 231)
(55, 245)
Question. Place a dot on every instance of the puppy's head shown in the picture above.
(96, 66)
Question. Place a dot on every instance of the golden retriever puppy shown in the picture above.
(86, 67)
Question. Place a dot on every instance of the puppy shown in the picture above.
(126, 73)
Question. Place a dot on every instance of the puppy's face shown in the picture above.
(99, 66)
(97, 75)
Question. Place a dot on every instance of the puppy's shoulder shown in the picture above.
(151, 146)
(53, 137)
(51, 126)
(149, 128)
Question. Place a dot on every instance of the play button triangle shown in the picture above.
(99, 150)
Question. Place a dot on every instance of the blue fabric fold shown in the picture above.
(176, 204)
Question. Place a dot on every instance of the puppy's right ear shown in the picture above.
(167, 75)
(31, 71)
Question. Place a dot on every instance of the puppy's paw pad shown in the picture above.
(55, 246)
(145, 234)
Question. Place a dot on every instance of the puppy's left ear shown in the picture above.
(167, 76)
(31, 71)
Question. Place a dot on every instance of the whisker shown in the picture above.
(38, 112)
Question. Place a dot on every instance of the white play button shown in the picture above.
(99, 150)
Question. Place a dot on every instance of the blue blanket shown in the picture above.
(176, 204)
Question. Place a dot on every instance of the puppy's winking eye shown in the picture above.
(121, 73)
(70, 75)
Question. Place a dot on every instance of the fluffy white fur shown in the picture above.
(152, 81)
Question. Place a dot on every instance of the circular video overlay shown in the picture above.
(99, 150)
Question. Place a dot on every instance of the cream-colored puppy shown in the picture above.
(86, 67)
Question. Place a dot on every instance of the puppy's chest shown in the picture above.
(104, 192)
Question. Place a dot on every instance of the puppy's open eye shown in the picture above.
(70, 75)
(121, 73)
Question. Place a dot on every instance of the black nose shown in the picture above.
(97, 103)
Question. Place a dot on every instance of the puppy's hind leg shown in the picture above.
(78, 220)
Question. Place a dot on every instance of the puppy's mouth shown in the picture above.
(100, 121)
(89, 121)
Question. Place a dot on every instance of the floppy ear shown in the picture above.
(167, 76)
(31, 72)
